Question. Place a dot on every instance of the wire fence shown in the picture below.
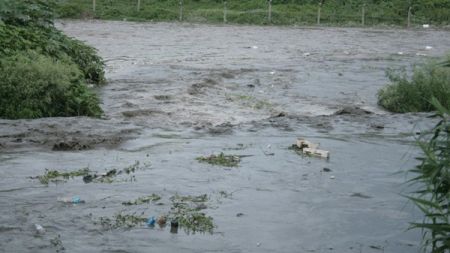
(258, 12)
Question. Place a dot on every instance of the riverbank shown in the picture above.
(259, 12)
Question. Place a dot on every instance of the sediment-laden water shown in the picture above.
(179, 91)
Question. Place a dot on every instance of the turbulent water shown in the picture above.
(179, 91)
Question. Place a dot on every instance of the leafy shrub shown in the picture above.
(69, 10)
(427, 81)
(27, 12)
(33, 86)
(51, 42)
(433, 179)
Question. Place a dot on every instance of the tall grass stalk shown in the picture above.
(433, 182)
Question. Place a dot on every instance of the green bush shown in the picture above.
(33, 86)
(427, 81)
(27, 12)
(53, 43)
(432, 177)
(42, 71)
(70, 10)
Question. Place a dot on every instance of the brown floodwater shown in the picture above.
(179, 91)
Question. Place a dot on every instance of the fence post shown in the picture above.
(138, 5)
(363, 15)
(181, 10)
(93, 5)
(225, 11)
(270, 11)
(409, 17)
(318, 13)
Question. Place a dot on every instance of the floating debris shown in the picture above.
(360, 195)
(71, 200)
(304, 147)
(57, 244)
(161, 220)
(221, 159)
(58, 176)
(122, 221)
(185, 213)
(326, 170)
(40, 230)
(88, 175)
(143, 200)
(151, 221)
(174, 227)
(109, 176)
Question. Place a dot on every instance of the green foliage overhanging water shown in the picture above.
(43, 72)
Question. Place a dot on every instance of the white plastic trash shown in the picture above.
(428, 47)
(40, 230)
(426, 26)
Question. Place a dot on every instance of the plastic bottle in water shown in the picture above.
(71, 200)
(151, 221)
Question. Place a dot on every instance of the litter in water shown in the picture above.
(311, 149)
(39, 229)
(71, 200)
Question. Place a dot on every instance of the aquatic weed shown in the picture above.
(143, 200)
(186, 211)
(55, 175)
(121, 221)
(110, 175)
(221, 159)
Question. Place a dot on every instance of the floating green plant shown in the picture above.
(221, 159)
(143, 200)
(186, 210)
(55, 175)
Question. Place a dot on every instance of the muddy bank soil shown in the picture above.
(177, 92)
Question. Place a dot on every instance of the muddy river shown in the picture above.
(179, 91)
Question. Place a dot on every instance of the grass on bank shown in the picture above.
(414, 94)
(284, 12)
